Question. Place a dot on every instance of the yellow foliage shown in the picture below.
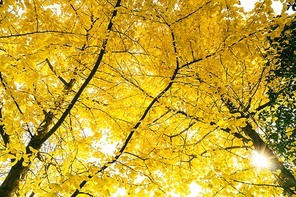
(138, 96)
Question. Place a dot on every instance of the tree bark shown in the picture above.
(286, 179)
(11, 182)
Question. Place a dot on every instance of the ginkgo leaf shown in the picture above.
(140, 98)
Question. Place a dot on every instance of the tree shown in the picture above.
(145, 97)
(280, 118)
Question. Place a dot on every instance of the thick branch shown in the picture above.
(51, 68)
(191, 13)
(4, 135)
(286, 178)
(135, 127)
(237, 135)
(45, 124)
(37, 32)
(86, 82)
(14, 100)
(11, 182)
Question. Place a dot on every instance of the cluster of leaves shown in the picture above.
(280, 118)
(142, 96)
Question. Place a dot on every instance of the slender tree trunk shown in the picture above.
(11, 182)
(286, 179)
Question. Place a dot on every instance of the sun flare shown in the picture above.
(260, 160)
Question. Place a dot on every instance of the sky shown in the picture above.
(248, 5)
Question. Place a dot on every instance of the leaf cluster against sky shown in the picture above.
(171, 88)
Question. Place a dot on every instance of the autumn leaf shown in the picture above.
(141, 98)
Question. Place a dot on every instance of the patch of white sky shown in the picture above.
(194, 188)
(56, 8)
(20, 9)
(277, 6)
(248, 5)
(104, 143)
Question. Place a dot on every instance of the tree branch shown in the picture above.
(16, 104)
(135, 127)
(255, 184)
(51, 68)
(38, 32)
(286, 179)
(11, 182)
(4, 135)
(191, 13)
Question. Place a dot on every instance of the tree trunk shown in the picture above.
(286, 179)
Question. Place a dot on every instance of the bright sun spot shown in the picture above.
(260, 160)
(195, 189)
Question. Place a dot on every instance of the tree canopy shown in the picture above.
(279, 117)
(145, 98)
